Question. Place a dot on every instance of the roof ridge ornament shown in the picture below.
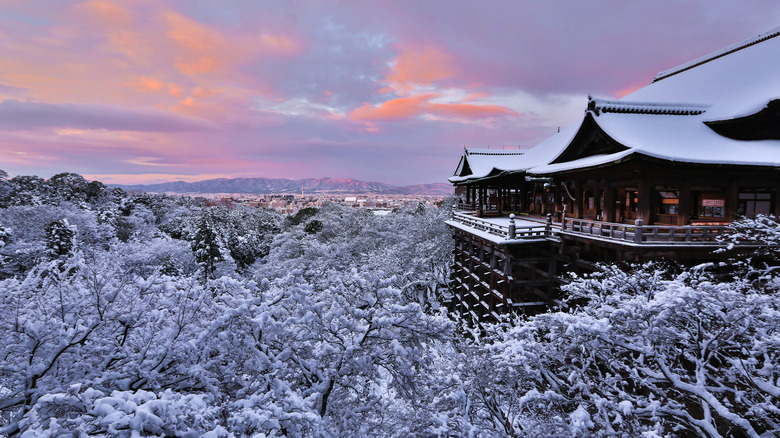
(598, 106)
(717, 54)
(474, 151)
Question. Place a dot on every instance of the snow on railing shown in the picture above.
(509, 232)
(639, 233)
(465, 206)
(636, 233)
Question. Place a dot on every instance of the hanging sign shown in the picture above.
(713, 202)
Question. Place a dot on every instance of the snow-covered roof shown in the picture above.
(618, 106)
(733, 80)
(672, 138)
(717, 54)
(479, 163)
(666, 119)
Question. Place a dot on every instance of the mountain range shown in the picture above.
(259, 186)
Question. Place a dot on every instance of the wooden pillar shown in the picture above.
(610, 205)
(500, 200)
(686, 202)
(597, 194)
(558, 200)
(732, 201)
(578, 207)
(481, 209)
(507, 275)
(522, 199)
(776, 201)
(645, 193)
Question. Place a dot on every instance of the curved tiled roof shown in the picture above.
(619, 106)
(666, 119)
(479, 163)
(717, 54)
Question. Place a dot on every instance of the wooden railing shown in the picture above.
(510, 231)
(470, 206)
(636, 233)
(639, 233)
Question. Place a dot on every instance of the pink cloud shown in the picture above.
(424, 67)
(419, 65)
(395, 109)
(468, 111)
(203, 49)
(414, 106)
(146, 84)
(107, 13)
(226, 88)
(628, 89)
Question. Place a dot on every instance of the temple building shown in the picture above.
(658, 173)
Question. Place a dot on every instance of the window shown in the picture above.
(670, 202)
(712, 208)
(632, 201)
(753, 203)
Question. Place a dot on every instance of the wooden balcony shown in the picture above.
(499, 229)
(639, 234)
(502, 230)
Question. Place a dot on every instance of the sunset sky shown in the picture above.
(147, 91)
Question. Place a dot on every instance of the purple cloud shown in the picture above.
(274, 88)
(17, 115)
(13, 91)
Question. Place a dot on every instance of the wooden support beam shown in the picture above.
(686, 203)
(645, 193)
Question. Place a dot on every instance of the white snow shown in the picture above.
(482, 162)
(666, 118)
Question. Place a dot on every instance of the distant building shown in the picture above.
(657, 173)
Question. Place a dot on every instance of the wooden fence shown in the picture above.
(511, 231)
(639, 233)
(636, 233)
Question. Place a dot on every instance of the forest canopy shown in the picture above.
(150, 315)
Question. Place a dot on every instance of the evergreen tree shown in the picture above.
(66, 187)
(5, 189)
(26, 190)
(60, 238)
(206, 246)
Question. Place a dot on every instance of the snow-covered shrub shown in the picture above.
(762, 229)
(680, 355)
(60, 238)
(332, 335)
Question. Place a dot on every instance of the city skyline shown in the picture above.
(145, 92)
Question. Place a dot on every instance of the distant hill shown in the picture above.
(435, 189)
(260, 186)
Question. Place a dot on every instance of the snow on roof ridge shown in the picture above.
(624, 107)
(474, 151)
(717, 54)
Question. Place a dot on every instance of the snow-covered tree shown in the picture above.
(5, 189)
(94, 328)
(207, 247)
(60, 238)
(647, 353)
(328, 324)
(114, 346)
(26, 190)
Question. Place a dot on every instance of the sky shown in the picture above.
(147, 91)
